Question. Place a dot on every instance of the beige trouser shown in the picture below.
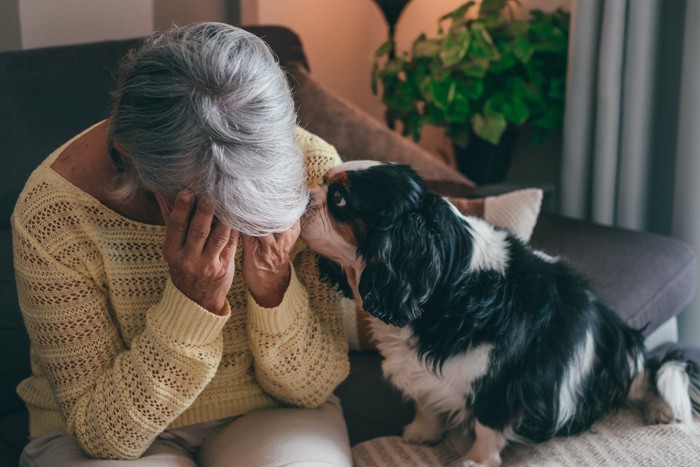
(269, 437)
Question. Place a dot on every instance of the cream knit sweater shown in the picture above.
(119, 354)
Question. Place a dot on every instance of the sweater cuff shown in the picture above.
(279, 318)
(179, 318)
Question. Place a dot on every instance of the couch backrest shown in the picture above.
(47, 96)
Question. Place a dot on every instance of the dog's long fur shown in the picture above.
(476, 326)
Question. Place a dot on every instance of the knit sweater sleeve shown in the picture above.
(299, 347)
(114, 399)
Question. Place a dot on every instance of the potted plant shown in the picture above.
(480, 78)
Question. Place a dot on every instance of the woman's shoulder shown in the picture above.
(46, 190)
(47, 207)
(319, 156)
(41, 193)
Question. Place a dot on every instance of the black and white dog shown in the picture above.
(479, 329)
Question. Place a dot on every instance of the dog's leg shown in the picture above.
(426, 427)
(486, 450)
(655, 410)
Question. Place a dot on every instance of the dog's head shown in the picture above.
(381, 221)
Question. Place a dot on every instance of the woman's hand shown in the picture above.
(265, 265)
(199, 251)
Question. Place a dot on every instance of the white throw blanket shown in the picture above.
(617, 440)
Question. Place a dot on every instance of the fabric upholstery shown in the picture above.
(14, 343)
(55, 93)
(620, 439)
(645, 278)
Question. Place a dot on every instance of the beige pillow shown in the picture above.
(516, 211)
(356, 135)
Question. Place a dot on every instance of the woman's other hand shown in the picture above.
(199, 251)
(265, 265)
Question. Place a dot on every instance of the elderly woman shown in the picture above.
(173, 316)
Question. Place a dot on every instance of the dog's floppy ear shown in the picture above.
(402, 267)
(332, 272)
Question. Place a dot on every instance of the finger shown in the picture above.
(229, 251)
(266, 241)
(178, 220)
(250, 245)
(164, 211)
(289, 236)
(218, 239)
(199, 228)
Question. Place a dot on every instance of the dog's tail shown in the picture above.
(676, 380)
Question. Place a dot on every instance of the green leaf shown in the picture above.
(459, 13)
(476, 68)
(459, 111)
(518, 111)
(552, 119)
(518, 28)
(506, 62)
(557, 87)
(492, 7)
(523, 50)
(510, 104)
(524, 90)
(426, 48)
(434, 116)
(489, 127)
(454, 48)
(459, 137)
(375, 78)
(440, 92)
(384, 48)
(415, 126)
(482, 44)
(472, 89)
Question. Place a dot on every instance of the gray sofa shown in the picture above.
(48, 95)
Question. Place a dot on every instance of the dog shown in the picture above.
(480, 330)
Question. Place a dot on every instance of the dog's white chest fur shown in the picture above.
(443, 392)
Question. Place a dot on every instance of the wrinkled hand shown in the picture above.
(265, 265)
(199, 251)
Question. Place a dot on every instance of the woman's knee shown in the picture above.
(58, 448)
(281, 437)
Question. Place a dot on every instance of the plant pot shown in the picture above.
(484, 162)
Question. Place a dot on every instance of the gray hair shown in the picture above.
(207, 107)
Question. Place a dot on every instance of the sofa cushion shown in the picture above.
(645, 278)
(620, 439)
(14, 434)
(14, 342)
(516, 211)
(356, 135)
(371, 406)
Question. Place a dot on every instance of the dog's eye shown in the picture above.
(338, 199)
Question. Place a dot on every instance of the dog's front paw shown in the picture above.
(658, 412)
(422, 431)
